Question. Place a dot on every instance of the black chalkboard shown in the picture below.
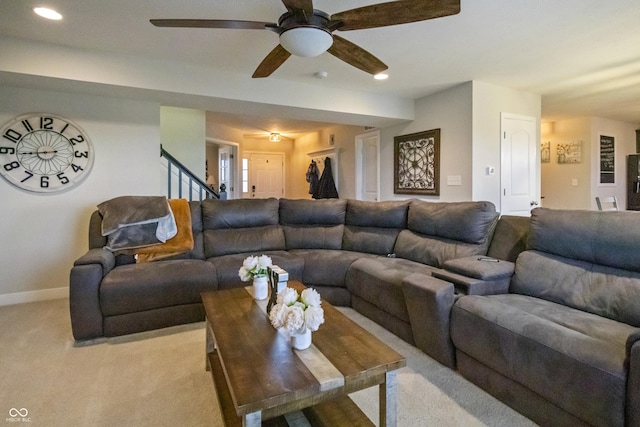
(607, 160)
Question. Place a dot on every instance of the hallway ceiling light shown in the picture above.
(47, 13)
(274, 137)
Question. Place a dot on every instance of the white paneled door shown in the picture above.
(368, 166)
(519, 165)
(266, 175)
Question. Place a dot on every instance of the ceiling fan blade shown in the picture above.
(355, 55)
(295, 5)
(214, 23)
(273, 60)
(394, 13)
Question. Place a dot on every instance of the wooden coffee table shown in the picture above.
(258, 376)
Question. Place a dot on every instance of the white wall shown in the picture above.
(489, 101)
(183, 135)
(42, 234)
(450, 111)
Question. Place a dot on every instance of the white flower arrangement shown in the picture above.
(254, 266)
(297, 313)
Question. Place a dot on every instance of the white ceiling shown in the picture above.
(582, 56)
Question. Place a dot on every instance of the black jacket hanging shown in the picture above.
(312, 177)
(326, 185)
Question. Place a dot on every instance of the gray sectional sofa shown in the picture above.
(543, 313)
(333, 245)
(561, 344)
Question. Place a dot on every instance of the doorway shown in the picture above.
(519, 165)
(222, 160)
(368, 166)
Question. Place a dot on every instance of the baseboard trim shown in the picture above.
(33, 296)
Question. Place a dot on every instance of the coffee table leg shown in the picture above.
(210, 345)
(388, 398)
(253, 419)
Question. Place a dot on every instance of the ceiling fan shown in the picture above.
(305, 31)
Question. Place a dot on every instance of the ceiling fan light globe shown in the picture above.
(306, 41)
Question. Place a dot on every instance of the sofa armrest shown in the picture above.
(632, 415)
(477, 275)
(84, 292)
(429, 301)
(106, 259)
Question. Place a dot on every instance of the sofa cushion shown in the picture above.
(605, 238)
(373, 227)
(389, 214)
(433, 251)
(469, 222)
(139, 287)
(571, 358)
(379, 282)
(313, 224)
(227, 266)
(313, 236)
(509, 237)
(594, 288)
(374, 240)
(326, 267)
(242, 240)
(321, 212)
(240, 213)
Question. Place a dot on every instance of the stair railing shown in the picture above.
(186, 180)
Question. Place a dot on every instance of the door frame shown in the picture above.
(234, 175)
(359, 162)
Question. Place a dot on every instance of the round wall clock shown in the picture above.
(44, 153)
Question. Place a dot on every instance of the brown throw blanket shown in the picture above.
(183, 240)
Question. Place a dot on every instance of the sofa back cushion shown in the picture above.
(606, 291)
(313, 224)
(438, 232)
(373, 227)
(588, 260)
(606, 238)
(239, 226)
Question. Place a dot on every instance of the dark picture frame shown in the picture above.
(607, 160)
(416, 163)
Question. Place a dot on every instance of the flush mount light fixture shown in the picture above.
(381, 76)
(274, 137)
(306, 41)
(47, 13)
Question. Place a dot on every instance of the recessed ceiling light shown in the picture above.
(45, 12)
(381, 76)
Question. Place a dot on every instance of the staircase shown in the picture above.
(189, 186)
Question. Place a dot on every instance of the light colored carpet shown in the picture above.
(158, 378)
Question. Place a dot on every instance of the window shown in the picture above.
(245, 175)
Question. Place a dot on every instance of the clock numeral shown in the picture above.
(76, 168)
(12, 135)
(77, 140)
(29, 175)
(46, 123)
(11, 166)
(64, 128)
(80, 154)
(7, 150)
(63, 179)
(44, 181)
(27, 125)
